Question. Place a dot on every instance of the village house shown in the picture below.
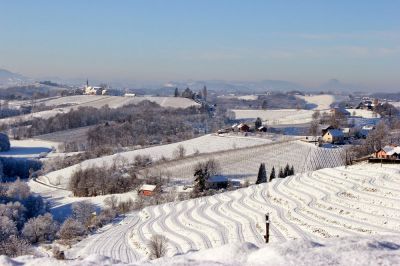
(243, 127)
(325, 129)
(147, 190)
(91, 90)
(346, 132)
(391, 152)
(365, 130)
(262, 129)
(334, 136)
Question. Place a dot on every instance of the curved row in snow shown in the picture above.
(358, 200)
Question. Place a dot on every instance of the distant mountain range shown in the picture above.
(8, 78)
(233, 86)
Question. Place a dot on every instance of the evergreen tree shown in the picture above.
(272, 175)
(281, 174)
(200, 179)
(286, 171)
(204, 93)
(262, 174)
(176, 94)
(258, 123)
(264, 105)
(292, 170)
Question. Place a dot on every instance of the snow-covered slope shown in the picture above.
(94, 101)
(276, 117)
(204, 144)
(348, 251)
(361, 200)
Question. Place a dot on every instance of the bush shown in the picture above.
(18, 190)
(71, 229)
(14, 246)
(96, 181)
(41, 228)
(7, 228)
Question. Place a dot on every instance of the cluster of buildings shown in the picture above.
(243, 127)
(334, 135)
(92, 90)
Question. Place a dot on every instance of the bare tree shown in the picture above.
(83, 212)
(158, 246)
(111, 202)
(180, 152)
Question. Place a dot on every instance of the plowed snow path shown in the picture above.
(358, 200)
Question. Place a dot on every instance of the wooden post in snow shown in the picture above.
(266, 228)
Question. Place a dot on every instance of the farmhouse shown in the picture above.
(325, 129)
(147, 190)
(262, 129)
(243, 127)
(346, 132)
(333, 136)
(391, 152)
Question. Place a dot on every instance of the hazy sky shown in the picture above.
(302, 41)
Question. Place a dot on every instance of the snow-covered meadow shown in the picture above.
(361, 200)
(276, 117)
(244, 163)
(204, 144)
(29, 148)
(355, 250)
(96, 101)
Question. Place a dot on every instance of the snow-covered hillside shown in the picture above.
(94, 101)
(244, 163)
(204, 144)
(328, 203)
(320, 102)
(377, 250)
(276, 117)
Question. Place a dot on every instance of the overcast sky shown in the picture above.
(307, 42)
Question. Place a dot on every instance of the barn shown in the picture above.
(147, 190)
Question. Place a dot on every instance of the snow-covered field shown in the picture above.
(29, 148)
(204, 144)
(243, 164)
(320, 102)
(276, 117)
(363, 113)
(377, 250)
(360, 200)
(118, 101)
(97, 102)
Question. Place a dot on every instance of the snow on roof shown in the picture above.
(346, 130)
(368, 127)
(390, 150)
(217, 179)
(335, 132)
(148, 187)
